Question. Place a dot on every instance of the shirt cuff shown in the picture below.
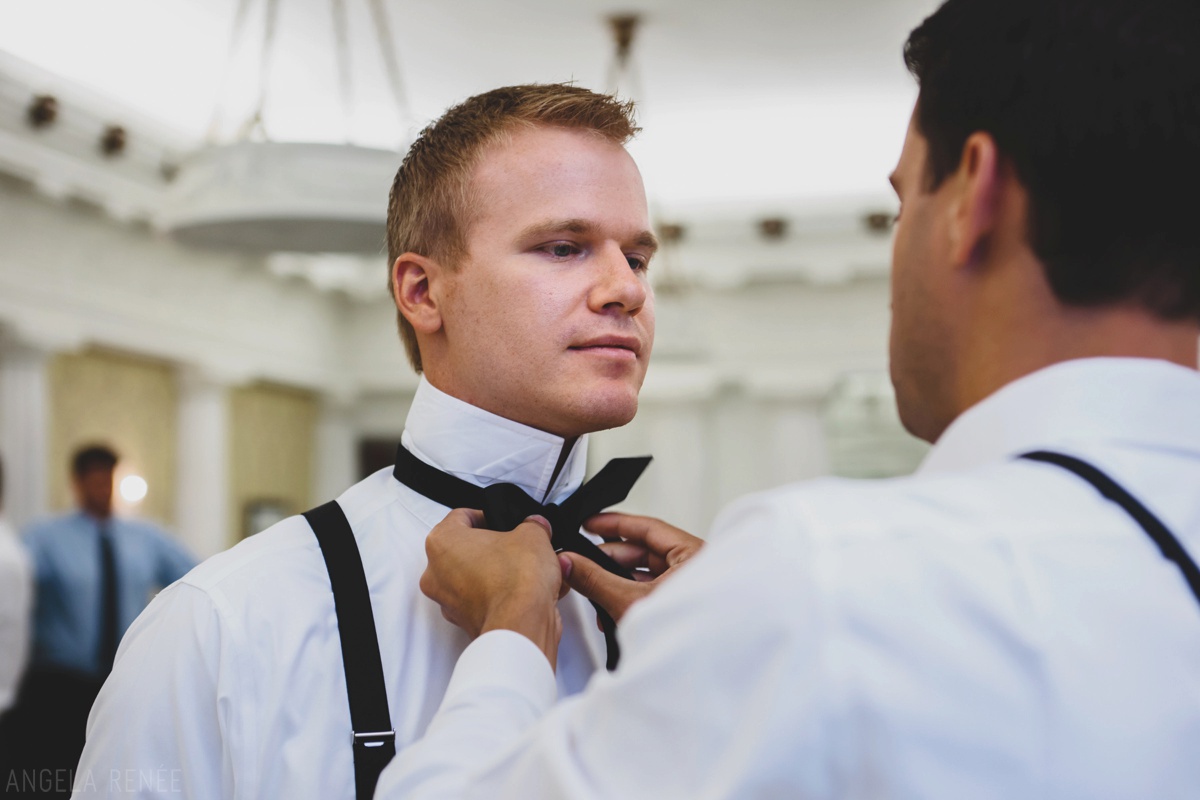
(507, 662)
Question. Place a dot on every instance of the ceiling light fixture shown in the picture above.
(255, 195)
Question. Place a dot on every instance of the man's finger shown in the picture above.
(628, 554)
(465, 518)
(541, 521)
(564, 566)
(612, 524)
(536, 529)
(657, 536)
(614, 593)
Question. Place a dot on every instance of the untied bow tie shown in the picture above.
(505, 506)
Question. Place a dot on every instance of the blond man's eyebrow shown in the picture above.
(647, 240)
(550, 227)
(581, 227)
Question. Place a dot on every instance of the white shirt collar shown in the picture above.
(1084, 400)
(483, 448)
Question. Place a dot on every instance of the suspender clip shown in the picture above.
(376, 739)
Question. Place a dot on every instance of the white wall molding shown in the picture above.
(76, 278)
(64, 158)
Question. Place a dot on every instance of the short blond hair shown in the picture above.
(430, 207)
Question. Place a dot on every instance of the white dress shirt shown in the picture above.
(16, 612)
(231, 684)
(986, 628)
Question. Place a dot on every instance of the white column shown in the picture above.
(739, 435)
(336, 466)
(798, 447)
(676, 486)
(680, 475)
(202, 502)
(24, 429)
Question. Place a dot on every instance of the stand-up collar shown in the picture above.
(483, 448)
(1118, 400)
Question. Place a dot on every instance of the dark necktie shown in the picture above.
(506, 505)
(109, 635)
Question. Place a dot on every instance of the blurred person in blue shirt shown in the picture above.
(93, 574)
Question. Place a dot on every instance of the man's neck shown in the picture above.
(482, 446)
(1003, 352)
(540, 421)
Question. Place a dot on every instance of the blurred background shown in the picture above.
(192, 269)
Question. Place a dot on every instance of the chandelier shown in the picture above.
(256, 195)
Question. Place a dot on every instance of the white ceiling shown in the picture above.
(760, 102)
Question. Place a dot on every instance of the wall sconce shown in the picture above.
(879, 222)
(671, 232)
(773, 228)
(112, 141)
(43, 111)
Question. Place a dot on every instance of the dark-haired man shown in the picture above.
(93, 573)
(1021, 617)
(519, 240)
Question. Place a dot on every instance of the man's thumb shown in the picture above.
(599, 585)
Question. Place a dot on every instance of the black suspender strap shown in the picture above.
(1110, 489)
(374, 741)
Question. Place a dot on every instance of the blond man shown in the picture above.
(519, 241)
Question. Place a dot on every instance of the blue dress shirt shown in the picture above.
(65, 553)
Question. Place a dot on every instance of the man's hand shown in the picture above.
(485, 580)
(648, 545)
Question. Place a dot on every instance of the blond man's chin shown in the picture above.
(606, 412)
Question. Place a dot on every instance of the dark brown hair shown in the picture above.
(1096, 104)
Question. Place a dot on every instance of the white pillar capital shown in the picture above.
(24, 339)
(200, 375)
(340, 400)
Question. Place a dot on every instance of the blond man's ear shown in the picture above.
(413, 280)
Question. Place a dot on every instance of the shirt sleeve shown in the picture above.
(717, 695)
(34, 541)
(161, 725)
(501, 685)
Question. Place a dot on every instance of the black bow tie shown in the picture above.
(506, 505)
